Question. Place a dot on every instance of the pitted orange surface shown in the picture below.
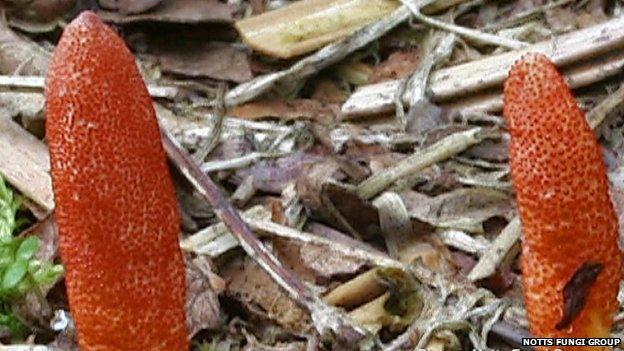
(115, 202)
(563, 201)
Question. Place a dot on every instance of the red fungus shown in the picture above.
(571, 262)
(115, 202)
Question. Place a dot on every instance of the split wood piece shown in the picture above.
(582, 75)
(25, 163)
(488, 73)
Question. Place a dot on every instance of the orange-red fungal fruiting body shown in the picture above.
(115, 203)
(569, 223)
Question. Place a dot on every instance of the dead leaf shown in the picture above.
(424, 116)
(328, 92)
(500, 282)
(202, 303)
(576, 290)
(43, 10)
(47, 231)
(561, 19)
(273, 176)
(290, 254)
(202, 59)
(179, 11)
(288, 110)
(20, 56)
(26, 108)
(464, 209)
(309, 185)
(25, 163)
(326, 262)
(262, 296)
(128, 7)
(399, 64)
(349, 209)
(593, 14)
(490, 150)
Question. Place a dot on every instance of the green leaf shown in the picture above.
(6, 256)
(46, 273)
(28, 248)
(13, 324)
(14, 274)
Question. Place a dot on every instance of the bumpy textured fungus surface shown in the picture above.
(562, 194)
(115, 203)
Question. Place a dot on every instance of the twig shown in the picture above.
(213, 139)
(597, 115)
(441, 150)
(442, 49)
(325, 318)
(395, 222)
(468, 33)
(525, 15)
(478, 76)
(512, 335)
(497, 251)
(462, 241)
(235, 163)
(37, 83)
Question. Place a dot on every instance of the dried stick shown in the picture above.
(597, 115)
(466, 79)
(468, 33)
(443, 149)
(497, 251)
(37, 83)
(325, 318)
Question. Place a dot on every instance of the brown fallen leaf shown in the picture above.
(255, 289)
(25, 163)
(500, 282)
(202, 303)
(594, 13)
(20, 56)
(561, 19)
(178, 11)
(202, 59)
(326, 262)
(26, 108)
(288, 110)
(328, 92)
(399, 64)
(127, 7)
(464, 209)
(349, 209)
(273, 176)
(42, 10)
(290, 255)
